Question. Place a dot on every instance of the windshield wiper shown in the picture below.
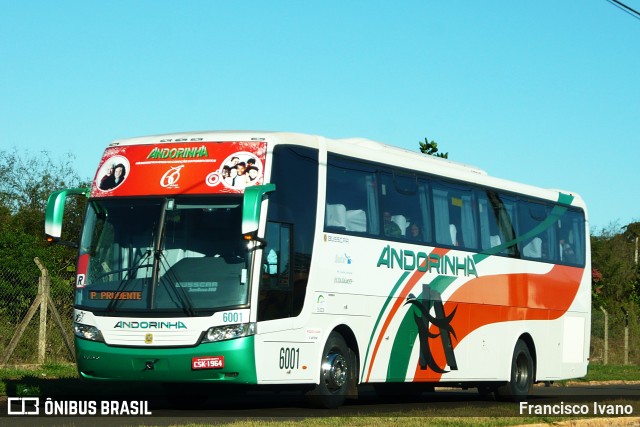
(127, 278)
(181, 294)
(157, 252)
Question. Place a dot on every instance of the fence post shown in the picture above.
(44, 288)
(47, 301)
(626, 343)
(626, 335)
(606, 335)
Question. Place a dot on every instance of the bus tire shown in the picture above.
(522, 375)
(335, 374)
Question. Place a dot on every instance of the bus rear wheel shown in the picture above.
(522, 375)
(335, 374)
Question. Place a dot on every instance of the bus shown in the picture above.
(270, 258)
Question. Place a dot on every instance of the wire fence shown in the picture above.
(46, 334)
(36, 316)
(615, 335)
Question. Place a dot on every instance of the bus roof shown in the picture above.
(359, 148)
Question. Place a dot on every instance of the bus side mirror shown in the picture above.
(251, 205)
(55, 213)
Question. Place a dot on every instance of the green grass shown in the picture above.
(28, 381)
(612, 373)
(389, 422)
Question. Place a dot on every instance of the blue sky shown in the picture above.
(543, 92)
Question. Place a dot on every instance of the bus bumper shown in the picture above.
(235, 362)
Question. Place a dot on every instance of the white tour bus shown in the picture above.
(271, 258)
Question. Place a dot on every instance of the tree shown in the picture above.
(613, 253)
(431, 148)
(27, 180)
(632, 233)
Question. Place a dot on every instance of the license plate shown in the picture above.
(207, 362)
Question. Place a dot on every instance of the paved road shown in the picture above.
(224, 407)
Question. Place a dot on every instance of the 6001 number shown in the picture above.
(232, 317)
(289, 358)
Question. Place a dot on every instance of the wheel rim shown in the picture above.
(521, 374)
(334, 371)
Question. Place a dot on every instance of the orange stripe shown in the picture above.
(502, 298)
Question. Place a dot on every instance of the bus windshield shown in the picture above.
(179, 256)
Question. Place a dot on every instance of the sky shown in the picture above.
(545, 92)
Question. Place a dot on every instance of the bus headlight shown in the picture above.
(87, 332)
(229, 332)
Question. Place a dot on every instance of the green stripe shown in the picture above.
(380, 314)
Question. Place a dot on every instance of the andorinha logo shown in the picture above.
(421, 261)
(149, 325)
(430, 298)
(178, 153)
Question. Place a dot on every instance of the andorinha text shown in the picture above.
(150, 325)
(409, 260)
(178, 153)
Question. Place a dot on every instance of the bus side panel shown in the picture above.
(295, 355)
(288, 357)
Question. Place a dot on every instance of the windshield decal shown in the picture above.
(171, 177)
(196, 168)
(240, 170)
(112, 173)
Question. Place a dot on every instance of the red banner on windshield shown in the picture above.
(189, 168)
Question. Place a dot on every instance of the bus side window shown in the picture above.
(571, 240)
(456, 216)
(531, 218)
(497, 226)
(400, 202)
(351, 198)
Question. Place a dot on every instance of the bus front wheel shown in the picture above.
(522, 375)
(335, 374)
